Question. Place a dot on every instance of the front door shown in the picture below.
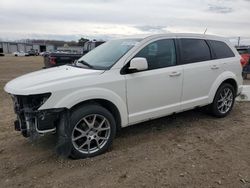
(157, 91)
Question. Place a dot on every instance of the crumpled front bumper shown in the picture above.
(32, 122)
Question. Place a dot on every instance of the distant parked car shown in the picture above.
(59, 58)
(33, 52)
(43, 53)
(20, 53)
(245, 60)
(1, 52)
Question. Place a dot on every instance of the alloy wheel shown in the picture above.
(91, 133)
(225, 101)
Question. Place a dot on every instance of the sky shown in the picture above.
(106, 19)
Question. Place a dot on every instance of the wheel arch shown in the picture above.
(227, 77)
(232, 82)
(111, 107)
(115, 103)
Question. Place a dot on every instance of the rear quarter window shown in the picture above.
(220, 49)
(194, 50)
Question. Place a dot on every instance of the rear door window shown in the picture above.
(220, 49)
(194, 50)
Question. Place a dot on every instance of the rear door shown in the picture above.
(224, 55)
(199, 71)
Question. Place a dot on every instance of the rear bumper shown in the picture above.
(245, 94)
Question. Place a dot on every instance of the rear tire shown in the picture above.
(223, 101)
(92, 130)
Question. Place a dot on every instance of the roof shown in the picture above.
(178, 35)
(188, 35)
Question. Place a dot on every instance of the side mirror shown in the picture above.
(138, 64)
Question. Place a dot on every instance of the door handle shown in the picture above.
(172, 74)
(213, 67)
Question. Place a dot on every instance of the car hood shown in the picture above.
(44, 80)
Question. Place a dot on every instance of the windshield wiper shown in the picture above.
(84, 63)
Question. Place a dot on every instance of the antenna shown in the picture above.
(205, 31)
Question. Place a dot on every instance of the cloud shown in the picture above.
(114, 18)
(151, 28)
(220, 9)
(243, 40)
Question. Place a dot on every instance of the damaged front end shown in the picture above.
(31, 121)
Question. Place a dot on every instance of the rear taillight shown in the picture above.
(52, 60)
(243, 62)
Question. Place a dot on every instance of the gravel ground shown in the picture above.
(190, 149)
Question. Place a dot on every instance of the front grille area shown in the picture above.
(18, 104)
(19, 110)
(31, 121)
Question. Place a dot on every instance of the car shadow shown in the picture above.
(173, 122)
(180, 120)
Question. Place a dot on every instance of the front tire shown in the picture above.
(92, 130)
(223, 101)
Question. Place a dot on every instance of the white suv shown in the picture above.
(124, 82)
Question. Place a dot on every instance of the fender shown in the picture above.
(224, 76)
(73, 98)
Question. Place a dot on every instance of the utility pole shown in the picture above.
(205, 31)
(238, 41)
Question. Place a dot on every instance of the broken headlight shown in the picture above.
(35, 101)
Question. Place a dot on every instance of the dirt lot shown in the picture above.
(190, 149)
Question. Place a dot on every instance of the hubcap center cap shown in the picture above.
(91, 135)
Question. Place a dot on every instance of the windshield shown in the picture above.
(107, 54)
